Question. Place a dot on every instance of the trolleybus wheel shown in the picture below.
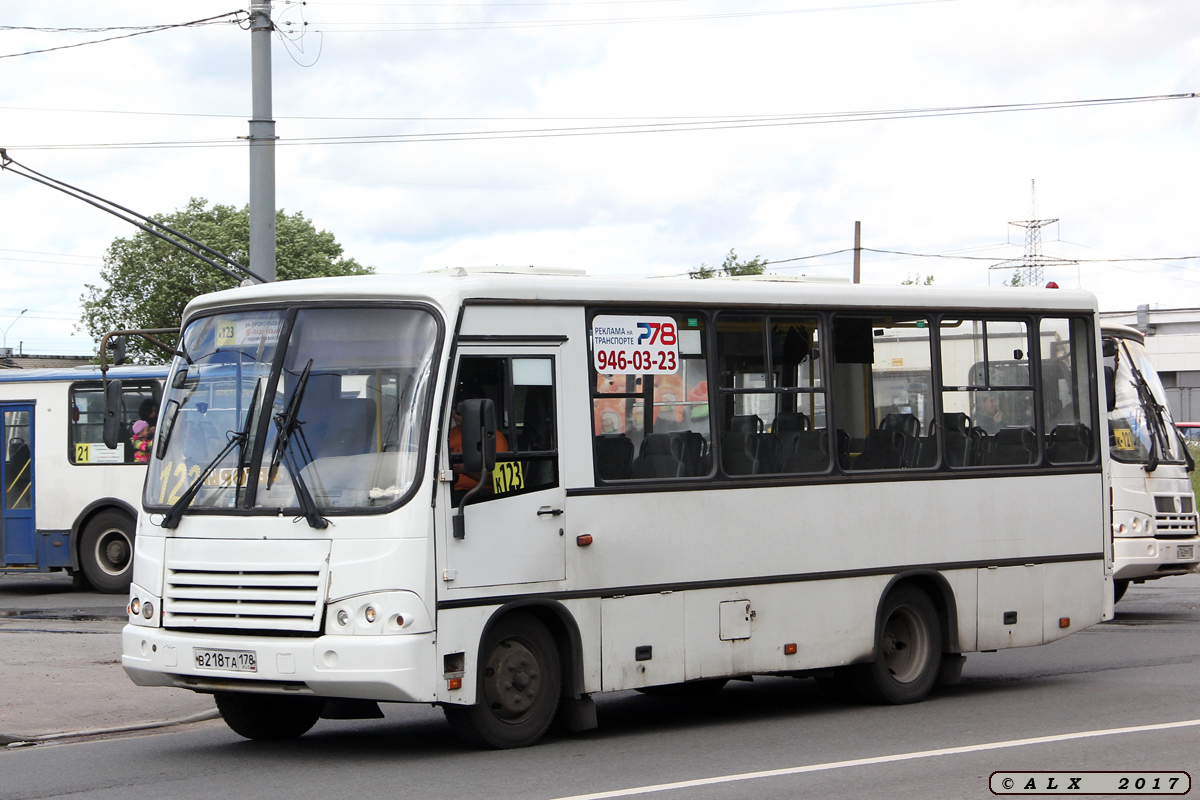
(1119, 588)
(908, 651)
(268, 716)
(106, 552)
(519, 680)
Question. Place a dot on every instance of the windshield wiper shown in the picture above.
(244, 453)
(1154, 415)
(288, 425)
(175, 513)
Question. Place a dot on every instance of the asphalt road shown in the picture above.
(1141, 671)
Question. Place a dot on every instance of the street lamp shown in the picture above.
(4, 342)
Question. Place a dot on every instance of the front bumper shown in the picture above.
(1144, 558)
(390, 668)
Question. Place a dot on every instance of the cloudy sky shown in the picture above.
(433, 134)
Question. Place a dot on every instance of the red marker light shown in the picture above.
(789, 649)
(1051, 285)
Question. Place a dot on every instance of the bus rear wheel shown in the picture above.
(106, 552)
(908, 651)
(519, 683)
(269, 717)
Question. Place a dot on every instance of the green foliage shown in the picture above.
(731, 267)
(918, 280)
(1017, 279)
(147, 282)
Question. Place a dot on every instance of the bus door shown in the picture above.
(514, 526)
(16, 486)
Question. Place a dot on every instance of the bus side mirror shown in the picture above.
(478, 435)
(120, 350)
(112, 413)
(1110, 387)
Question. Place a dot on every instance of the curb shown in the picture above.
(14, 741)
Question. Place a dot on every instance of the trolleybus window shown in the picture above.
(139, 400)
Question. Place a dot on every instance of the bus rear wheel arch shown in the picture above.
(908, 650)
(520, 680)
(106, 551)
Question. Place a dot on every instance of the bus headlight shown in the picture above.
(1131, 523)
(381, 613)
(143, 608)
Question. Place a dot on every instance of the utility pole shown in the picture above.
(857, 252)
(262, 144)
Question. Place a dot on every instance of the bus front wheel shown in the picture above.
(908, 651)
(269, 717)
(106, 552)
(519, 682)
(1119, 588)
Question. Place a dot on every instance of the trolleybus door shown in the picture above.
(514, 526)
(16, 485)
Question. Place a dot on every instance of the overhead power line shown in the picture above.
(228, 17)
(663, 126)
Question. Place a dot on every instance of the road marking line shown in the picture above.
(860, 762)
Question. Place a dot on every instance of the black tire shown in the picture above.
(704, 687)
(908, 651)
(269, 717)
(519, 683)
(1119, 588)
(106, 552)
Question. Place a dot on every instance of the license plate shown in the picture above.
(1184, 551)
(228, 660)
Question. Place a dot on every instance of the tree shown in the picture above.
(918, 280)
(731, 267)
(1017, 279)
(147, 282)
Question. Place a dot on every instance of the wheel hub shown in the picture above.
(511, 680)
(113, 552)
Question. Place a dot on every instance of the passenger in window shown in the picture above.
(464, 481)
(143, 441)
(991, 418)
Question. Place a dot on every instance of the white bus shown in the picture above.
(692, 481)
(1154, 509)
(68, 502)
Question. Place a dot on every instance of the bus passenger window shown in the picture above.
(772, 401)
(887, 411)
(650, 396)
(1067, 391)
(85, 426)
(987, 393)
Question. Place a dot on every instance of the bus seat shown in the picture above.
(786, 426)
(614, 457)
(908, 424)
(810, 452)
(956, 421)
(746, 423)
(1012, 446)
(924, 452)
(884, 450)
(767, 450)
(659, 457)
(1070, 444)
(737, 453)
(693, 451)
(843, 449)
(959, 447)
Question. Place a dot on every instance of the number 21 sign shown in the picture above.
(629, 344)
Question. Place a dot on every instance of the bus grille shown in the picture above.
(245, 586)
(1175, 526)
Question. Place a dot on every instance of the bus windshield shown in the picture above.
(1140, 427)
(347, 387)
